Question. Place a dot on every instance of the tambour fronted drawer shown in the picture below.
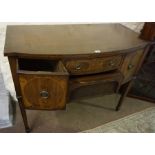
(43, 89)
(90, 66)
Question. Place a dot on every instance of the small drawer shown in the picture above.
(44, 84)
(130, 64)
(90, 66)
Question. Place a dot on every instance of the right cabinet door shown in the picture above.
(130, 64)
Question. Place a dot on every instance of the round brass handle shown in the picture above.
(111, 63)
(44, 94)
(78, 66)
(130, 66)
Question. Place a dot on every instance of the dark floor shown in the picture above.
(78, 116)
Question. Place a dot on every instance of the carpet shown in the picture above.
(140, 122)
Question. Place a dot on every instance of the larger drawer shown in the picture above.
(43, 85)
(90, 66)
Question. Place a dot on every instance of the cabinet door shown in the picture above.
(43, 91)
(130, 64)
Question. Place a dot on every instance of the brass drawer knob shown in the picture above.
(78, 66)
(111, 63)
(130, 66)
(44, 94)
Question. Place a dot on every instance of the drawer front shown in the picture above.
(130, 64)
(43, 91)
(90, 66)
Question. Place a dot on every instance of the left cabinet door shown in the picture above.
(43, 89)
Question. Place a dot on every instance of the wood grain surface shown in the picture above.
(50, 64)
(69, 39)
(90, 66)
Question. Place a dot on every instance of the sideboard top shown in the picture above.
(69, 39)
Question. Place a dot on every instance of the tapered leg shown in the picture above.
(13, 66)
(125, 92)
(24, 116)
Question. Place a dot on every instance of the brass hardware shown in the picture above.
(130, 66)
(44, 94)
(78, 66)
(111, 63)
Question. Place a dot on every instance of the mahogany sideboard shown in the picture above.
(49, 63)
